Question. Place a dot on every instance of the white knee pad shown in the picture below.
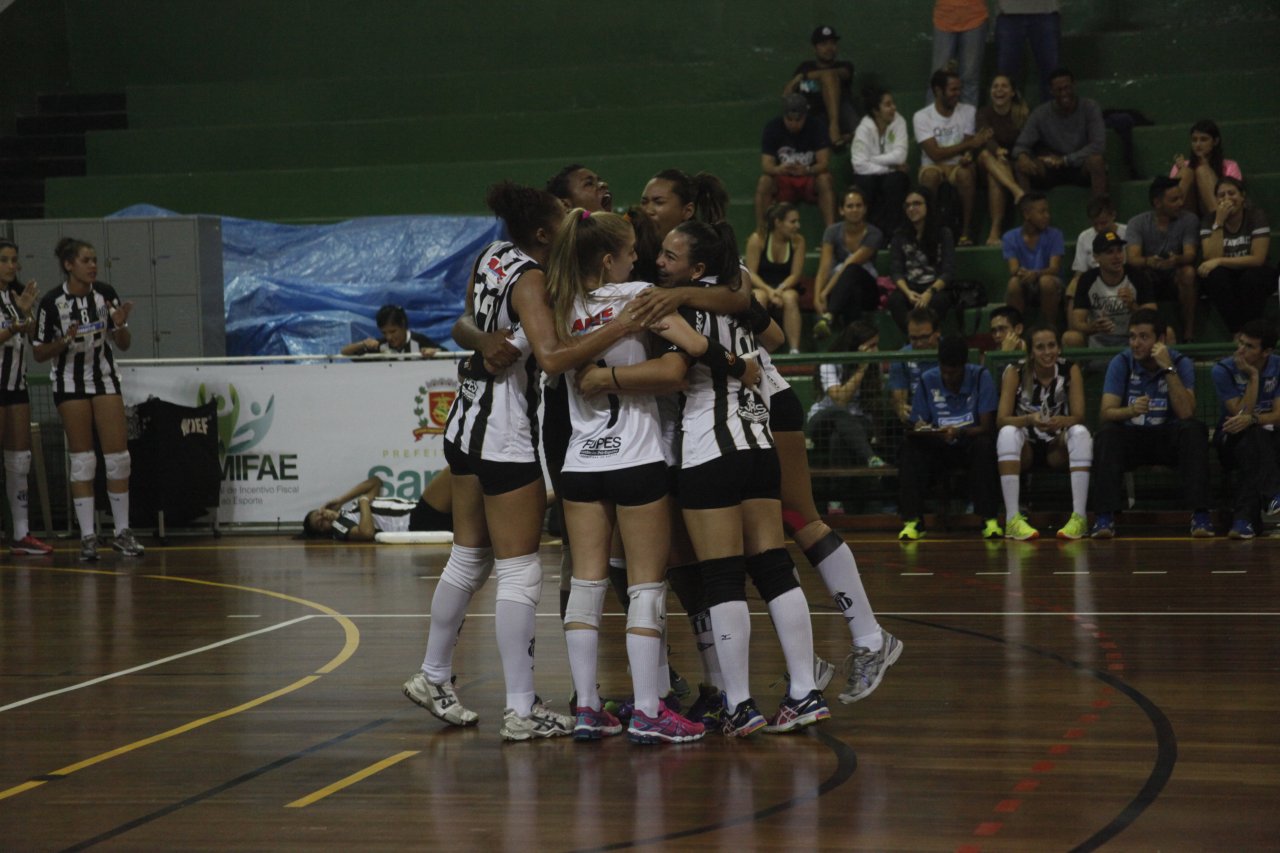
(520, 579)
(1009, 443)
(117, 465)
(83, 467)
(468, 568)
(586, 602)
(17, 462)
(1079, 446)
(648, 608)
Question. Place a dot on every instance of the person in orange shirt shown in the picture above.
(960, 34)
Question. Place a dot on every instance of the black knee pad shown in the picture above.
(773, 573)
(723, 580)
(686, 583)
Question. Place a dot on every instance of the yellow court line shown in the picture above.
(348, 781)
(351, 643)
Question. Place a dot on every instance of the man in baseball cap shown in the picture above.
(827, 83)
(795, 161)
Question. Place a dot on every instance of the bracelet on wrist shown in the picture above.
(613, 371)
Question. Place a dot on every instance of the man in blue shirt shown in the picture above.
(1148, 417)
(1034, 255)
(953, 416)
(1247, 384)
(904, 376)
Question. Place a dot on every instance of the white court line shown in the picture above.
(244, 615)
(1227, 572)
(141, 667)
(916, 574)
(991, 573)
(1071, 573)
(1152, 572)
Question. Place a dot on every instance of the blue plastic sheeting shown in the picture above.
(312, 289)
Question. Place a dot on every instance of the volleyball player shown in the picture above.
(873, 649)
(359, 514)
(491, 445)
(614, 477)
(16, 302)
(729, 490)
(77, 326)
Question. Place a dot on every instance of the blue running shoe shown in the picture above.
(1273, 508)
(1104, 526)
(743, 720)
(1241, 529)
(1201, 525)
(708, 708)
(667, 727)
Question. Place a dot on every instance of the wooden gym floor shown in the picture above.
(244, 694)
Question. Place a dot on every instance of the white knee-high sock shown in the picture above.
(515, 632)
(731, 628)
(642, 654)
(835, 563)
(1010, 486)
(448, 612)
(84, 515)
(790, 614)
(705, 638)
(119, 510)
(1080, 493)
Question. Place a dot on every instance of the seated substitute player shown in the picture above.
(393, 322)
(954, 427)
(1105, 297)
(1148, 417)
(1041, 420)
(359, 514)
(1246, 384)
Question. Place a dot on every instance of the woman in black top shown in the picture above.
(922, 260)
(775, 260)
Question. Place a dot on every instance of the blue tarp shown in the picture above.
(311, 289)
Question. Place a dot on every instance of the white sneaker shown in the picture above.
(822, 672)
(866, 668)
(541, 722)
(439, 699)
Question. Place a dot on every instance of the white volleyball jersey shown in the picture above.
(496, 417)
(720, 414)
(611, 431)
(13, 352)
(87, 366)
(1051, 401)
(771, 381)
(390, 515)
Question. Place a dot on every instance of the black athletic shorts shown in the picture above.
(636, 486)
(728, 481)
(496, 478)
(786, 414)
(425, 518)
(15, 398)
(59, 399)
(557, 428)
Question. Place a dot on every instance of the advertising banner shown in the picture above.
(292, 436)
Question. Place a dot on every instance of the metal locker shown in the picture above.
(129, 269)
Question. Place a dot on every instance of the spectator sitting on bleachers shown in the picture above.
(577, 186)
(1063, 141)
(1041, 420)
(1234, 241)
(923, 331)
(845, 285)
(775, 262)
(921, 260)
(1246, 384)
(960, 36)
(1006, 329)
(1034, 255)
(1105, 297)
(827, 83)
(1162, 249)
(879, 155)
(1101, 211)
(795, 157)
(948, 139)
(1036, 21)
(1006, 114)
(839, 424)
(1148, 417)
(953, 426)
(1198, 174)
(393, 322)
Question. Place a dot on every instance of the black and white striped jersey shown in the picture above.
(496, 418)
(719, 414)
(87, 366)
(611, 431)
(13, 353)
(390, 515)
(1048, 401)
